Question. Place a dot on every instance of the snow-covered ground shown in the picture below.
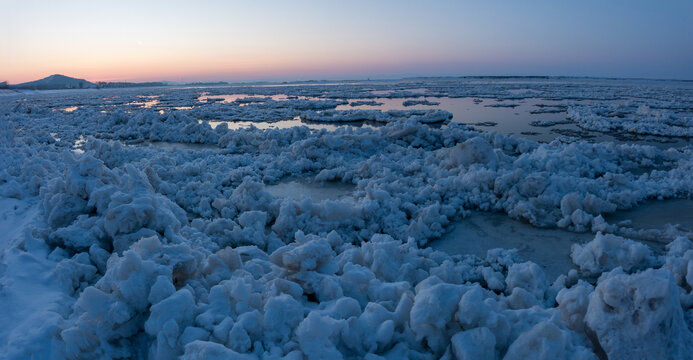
(143, 223)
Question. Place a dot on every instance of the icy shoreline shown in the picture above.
(161, 251)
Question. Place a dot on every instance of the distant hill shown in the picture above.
(59, 82)
(55, 82)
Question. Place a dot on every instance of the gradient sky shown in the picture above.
(286, 40)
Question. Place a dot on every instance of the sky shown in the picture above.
(301, 40)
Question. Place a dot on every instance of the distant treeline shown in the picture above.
(106, 85)
(3, 85)
(206, 83)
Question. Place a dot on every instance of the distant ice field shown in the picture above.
(598, 110)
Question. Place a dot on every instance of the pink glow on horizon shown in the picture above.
(233, 71)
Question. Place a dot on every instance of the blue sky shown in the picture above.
(282, 40)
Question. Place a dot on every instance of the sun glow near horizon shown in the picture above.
(215, 40)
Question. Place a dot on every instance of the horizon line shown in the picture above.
(366, 78)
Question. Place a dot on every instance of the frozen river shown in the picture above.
(375, 218)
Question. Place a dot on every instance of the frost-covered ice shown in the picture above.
(364, 103)
(424, 116)
(419, 102)
(165, 236)
(641, 120)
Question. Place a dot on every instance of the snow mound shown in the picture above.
(639, 316)
(607, 252)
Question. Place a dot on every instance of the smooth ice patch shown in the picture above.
(167, 145)
(317, 192)
(481, 232)
(30, 297)
(657, 215)
(31, 304)
(15, 216)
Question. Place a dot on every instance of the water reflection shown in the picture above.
(249, 98)
(224, 99)
(472, 111)
(68, 109)
(145, 104)
(532, 118)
